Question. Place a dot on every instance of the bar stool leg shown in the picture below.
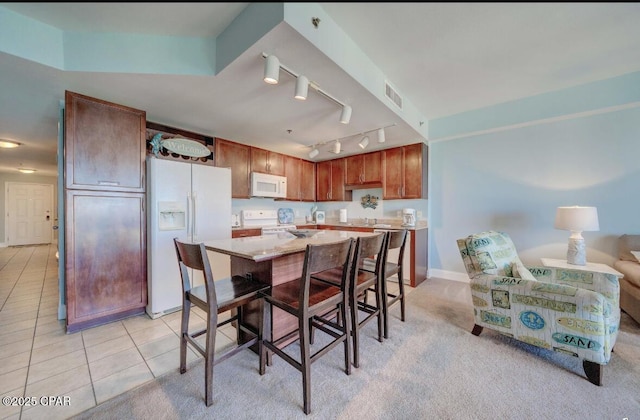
(385, 308)
(212, 324)
(263, 352)
(184, 331)
(380, 305)
(401, 293)
(305, 358)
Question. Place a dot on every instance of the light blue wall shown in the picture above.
(513, 180)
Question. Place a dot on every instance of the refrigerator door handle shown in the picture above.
(195, 229)
(189, 221)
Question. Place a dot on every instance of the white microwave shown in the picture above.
(267, 185)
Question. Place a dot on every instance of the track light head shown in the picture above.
(314, 153)
(364, 142)
(302, 88)
(271, 70)
(336, 147)
(345, 115)
(381, 137)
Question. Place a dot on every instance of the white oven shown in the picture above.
(267, 185)
(266, 220)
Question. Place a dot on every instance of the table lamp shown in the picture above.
(577, 219)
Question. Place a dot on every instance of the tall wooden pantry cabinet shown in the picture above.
(105, 222)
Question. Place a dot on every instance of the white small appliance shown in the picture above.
(318, 216)
(408, 217)
(268, 185)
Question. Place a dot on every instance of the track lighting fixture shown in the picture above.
(302, 88)
(337, 146)
(271, 70)
(345, 115)
(272, 67)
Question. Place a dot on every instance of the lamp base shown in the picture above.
(576, 253)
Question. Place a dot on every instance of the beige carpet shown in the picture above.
(431, 368)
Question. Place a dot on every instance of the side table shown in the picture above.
(597, 267)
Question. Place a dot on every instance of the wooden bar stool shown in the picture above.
(364, 278)
(395, 240)
(213, 298)
(308, 300)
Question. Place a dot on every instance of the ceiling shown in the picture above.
(445, 58)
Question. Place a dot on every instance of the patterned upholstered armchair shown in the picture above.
(569, 311)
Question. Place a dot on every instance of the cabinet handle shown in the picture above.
(111, 183)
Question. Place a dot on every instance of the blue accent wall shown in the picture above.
(513, 179)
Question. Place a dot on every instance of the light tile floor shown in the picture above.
(38, 358)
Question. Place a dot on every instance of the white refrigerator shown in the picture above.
(189, 201)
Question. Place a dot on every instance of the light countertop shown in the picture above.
(355, 223)
(266, 247)
(381, 224)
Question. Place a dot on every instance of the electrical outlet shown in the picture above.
(297, 213)
(419, 215)
(398, 213)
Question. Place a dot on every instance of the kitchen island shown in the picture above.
(274, 259)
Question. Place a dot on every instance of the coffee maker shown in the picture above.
(408, 217)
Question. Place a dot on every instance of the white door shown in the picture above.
(29, 215)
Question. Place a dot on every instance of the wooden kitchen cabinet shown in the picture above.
(330, 181)
(236, 156)
(405, 172)
(104, 145)
(105, 255)
(364, 171)
(307, 181)
(267, 162)
(243, 233)
(301, 179)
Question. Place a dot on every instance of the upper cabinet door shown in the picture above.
(267, 162)
(237, 157)
(307, 181)
(104, 145)
(292, 172)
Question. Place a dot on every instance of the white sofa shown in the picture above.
(628, 265)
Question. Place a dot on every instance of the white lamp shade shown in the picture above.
(302, 88)
(381, 137)
(345, 115)
(271, 70)
(364, 142)
(313, 153)
(336, 147)
(577, 219)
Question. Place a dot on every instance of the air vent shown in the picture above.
(393, 95)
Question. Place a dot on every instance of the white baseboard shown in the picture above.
(449, 275)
